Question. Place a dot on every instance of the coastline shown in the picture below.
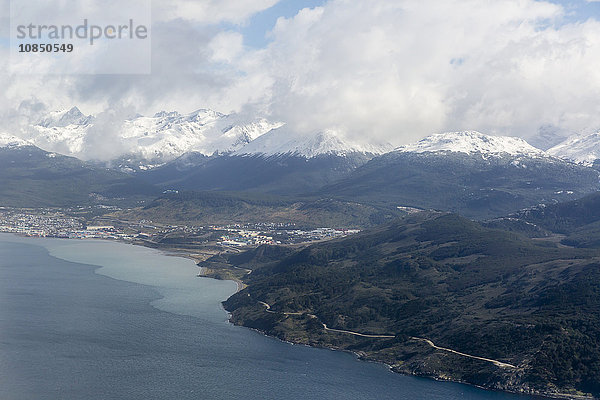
(240, 285)
(439, 378)
(359, 355)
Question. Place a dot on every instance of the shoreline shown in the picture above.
(364, 358)
(359, 355)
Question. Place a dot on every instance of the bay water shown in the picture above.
(86, 319)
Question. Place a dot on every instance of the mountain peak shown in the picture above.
(283, 141)
(166, 114)
(150, 140)
(205, 113)
(10, 141)
(201, 116)
(470, 142)
(580, 149)
(63, 118)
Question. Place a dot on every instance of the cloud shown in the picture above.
(226, 46)
(189, 58)
(378, 70)
(210, 11)
(401, 70)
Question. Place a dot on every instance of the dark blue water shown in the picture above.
(67, 332)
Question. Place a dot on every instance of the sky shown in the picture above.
(374, 70)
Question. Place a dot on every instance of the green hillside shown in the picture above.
(31, 177)
(475, 290)
(218, 208)
(471, 185)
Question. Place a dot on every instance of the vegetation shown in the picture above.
(476, 187)
(565, 217)
(480, 291)
(578, 221)
(220, 208)
(283, 175)
(30, 177)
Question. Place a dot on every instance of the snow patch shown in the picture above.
(283, 141)
(583, 150)
(10, 141)
(152, 140)
(471, 142)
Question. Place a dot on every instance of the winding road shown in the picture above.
(497, 363)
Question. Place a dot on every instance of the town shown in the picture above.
(57, 223)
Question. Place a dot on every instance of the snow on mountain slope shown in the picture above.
(7, 140)
(583, 150)
(65, 118)
(150, 140)
(166, 136)
(471, 142)
(67, 140)
(283, 141)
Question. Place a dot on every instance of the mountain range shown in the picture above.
(482, 244)
(470, 173)
(151, 141)
(143, 142)
(31, 177)
(279, 162)
(477, 175)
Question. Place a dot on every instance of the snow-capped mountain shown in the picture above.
(146, 141)
(583, 150)
(62, 131)
(471, 173)
(65, 118)
(281, 161)
(166, 136)
(284, 141)
(143, 142)
(9, 141)
(471, 142)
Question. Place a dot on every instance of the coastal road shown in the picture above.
(497, 363)
(358, 334)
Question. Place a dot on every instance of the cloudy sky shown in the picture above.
(394, 70)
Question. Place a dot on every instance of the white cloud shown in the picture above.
(404, 69)
(210, 11)
(393, 70)
(226, 46)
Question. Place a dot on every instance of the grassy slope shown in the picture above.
(217, 208)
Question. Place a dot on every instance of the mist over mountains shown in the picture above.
(468, 172)
(144, 142)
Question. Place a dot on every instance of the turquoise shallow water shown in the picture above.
(104, 320)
